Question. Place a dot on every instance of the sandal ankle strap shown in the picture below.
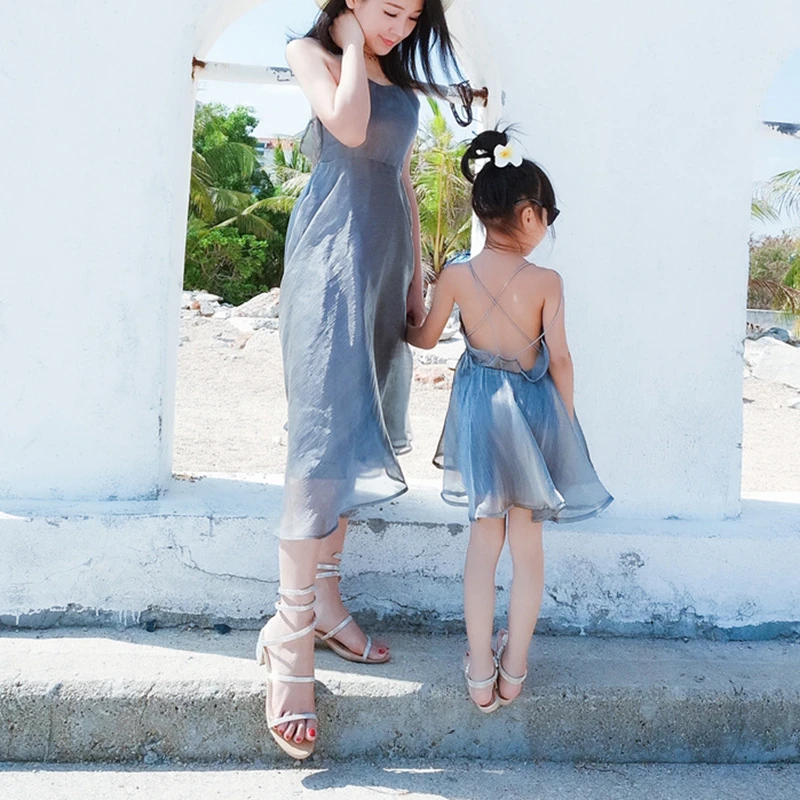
(297, 592)
(512, 679)
(485, 684)
(287, 637)
(281, 606)
(325, 570)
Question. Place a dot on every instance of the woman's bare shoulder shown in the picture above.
(305, 52)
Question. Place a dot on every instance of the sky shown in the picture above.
(259, 37)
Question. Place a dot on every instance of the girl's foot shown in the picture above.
(349, 641)
(286, 645)
(512, 673)
(482, 691)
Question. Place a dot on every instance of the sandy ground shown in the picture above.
(231, 406)
(231, 410)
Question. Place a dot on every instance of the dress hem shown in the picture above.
(550, 518)
(344, 513)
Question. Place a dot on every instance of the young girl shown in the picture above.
(512, 448)
(352, 276)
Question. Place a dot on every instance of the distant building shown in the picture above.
(266, 147)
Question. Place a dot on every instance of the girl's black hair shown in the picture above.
(497, 190)
(401, 65)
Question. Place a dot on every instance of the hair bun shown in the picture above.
(482, 147)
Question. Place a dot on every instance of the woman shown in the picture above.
(353, 276)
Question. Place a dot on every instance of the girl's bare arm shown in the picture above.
(427, 335)
(561, 369)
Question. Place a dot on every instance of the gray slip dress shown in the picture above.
(349, 262)
(508, 439)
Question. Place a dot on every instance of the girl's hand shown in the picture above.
(347, 30)
(415, 305)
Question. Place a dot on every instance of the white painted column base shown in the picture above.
(206, 552)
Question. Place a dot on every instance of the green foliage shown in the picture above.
(233, 265)
(227, 180)
(778, 196)
(774, 273)
(290, 175)
(443, 194)
(238, 213)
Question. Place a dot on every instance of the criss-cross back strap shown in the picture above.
(487, 317)
(496, 304)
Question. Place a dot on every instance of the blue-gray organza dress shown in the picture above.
(347, 368)
(508, 439)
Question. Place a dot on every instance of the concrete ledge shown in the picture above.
(198, 696)
(205, 553)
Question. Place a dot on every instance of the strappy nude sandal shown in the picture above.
(471, 684)
(334, 571)
(297, 751)
(502, 641)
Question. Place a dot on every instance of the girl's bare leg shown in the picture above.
(298, 564)
(527, 556)
(330, 608)
(485, 545)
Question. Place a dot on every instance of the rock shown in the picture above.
(265, 305)
(260, 340)
(208, 307)
(205, 297)
(795, 403)
(778, 363)
(242, 341)
(222, 313)
(436, 375)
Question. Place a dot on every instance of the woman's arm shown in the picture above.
(561, 369)
(416, 301)
(427, 335)
(343, 108)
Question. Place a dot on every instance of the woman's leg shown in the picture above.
(485, 545)
(330, 609)
(298, 565)
(527, 555)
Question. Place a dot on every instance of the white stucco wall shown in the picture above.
(644, 116)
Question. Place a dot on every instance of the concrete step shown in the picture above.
(194, 695)
(411, 780)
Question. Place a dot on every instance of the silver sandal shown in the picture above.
(502, 641)
(298, 751)
(334, 571)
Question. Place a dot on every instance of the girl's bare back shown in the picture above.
(506, 308)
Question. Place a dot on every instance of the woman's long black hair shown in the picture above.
(402, 65)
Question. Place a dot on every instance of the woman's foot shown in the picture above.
(331, 612)
(292, 658)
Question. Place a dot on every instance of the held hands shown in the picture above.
(346, 30)
(415, 306)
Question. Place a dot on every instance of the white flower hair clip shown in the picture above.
(505, 154)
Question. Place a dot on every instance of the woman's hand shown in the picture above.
(415, 305)
(347, 30)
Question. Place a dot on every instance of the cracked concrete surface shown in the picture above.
(195, 695)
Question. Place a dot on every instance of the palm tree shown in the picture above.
(779, 195)
(443, 194)
(771, 199)
(215, 207)
(291, 175)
